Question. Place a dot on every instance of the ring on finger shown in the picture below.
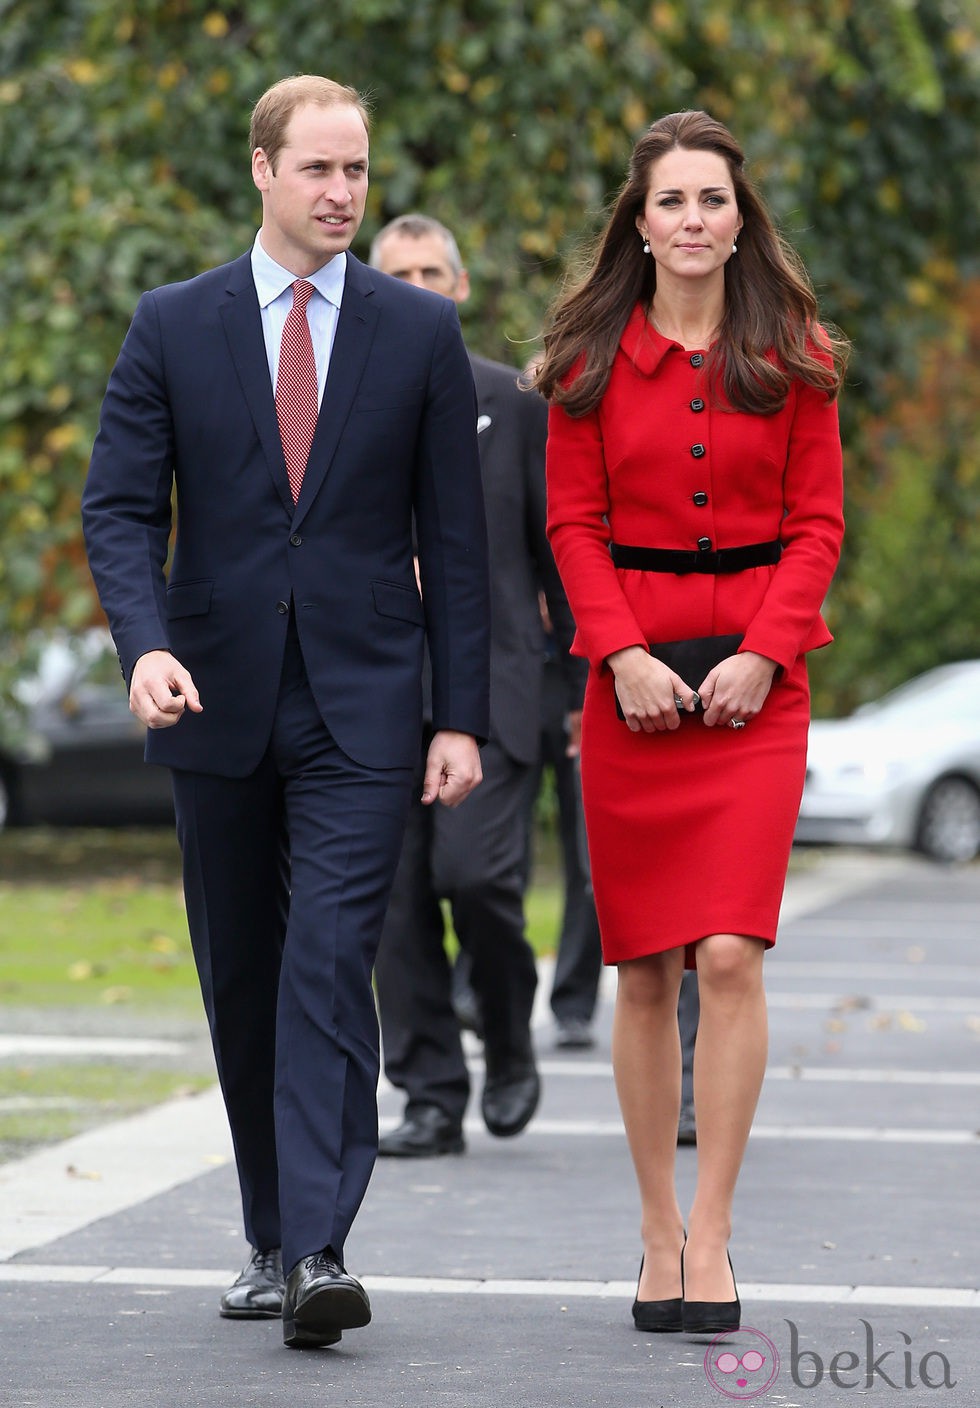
(736, 723)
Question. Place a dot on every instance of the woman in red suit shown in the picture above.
(694, 485)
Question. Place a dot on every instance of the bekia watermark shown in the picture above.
(744, 1364)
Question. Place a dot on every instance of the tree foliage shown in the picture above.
(126, 166)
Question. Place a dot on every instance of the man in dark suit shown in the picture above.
(308, 410)
(477, 857)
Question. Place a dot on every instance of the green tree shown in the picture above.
(126, 165)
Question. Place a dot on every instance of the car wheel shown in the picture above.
(949, 822)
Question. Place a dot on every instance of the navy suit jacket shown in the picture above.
(190, 403)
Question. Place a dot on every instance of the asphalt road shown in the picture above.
(505, 1277)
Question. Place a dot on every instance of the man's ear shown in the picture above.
(462, 287)
(261, 169)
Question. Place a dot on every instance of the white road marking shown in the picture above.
(24, 1044)
(787, 1293)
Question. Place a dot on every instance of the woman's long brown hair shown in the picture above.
(769, 336)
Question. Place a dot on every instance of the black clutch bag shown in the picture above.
(692, 660)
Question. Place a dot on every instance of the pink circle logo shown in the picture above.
(743, 1364)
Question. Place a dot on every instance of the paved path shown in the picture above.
(505, 1277)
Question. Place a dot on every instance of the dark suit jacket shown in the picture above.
(190, 400)
(513, 426)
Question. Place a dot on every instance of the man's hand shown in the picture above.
(573, 733)
(452, 768)
(161, 689)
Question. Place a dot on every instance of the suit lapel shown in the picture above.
(243, 328)
(355, 333)
(487, 413)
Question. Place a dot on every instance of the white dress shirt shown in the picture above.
(274, 286)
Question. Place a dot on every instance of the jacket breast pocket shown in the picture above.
(188, 599)
(404, 603)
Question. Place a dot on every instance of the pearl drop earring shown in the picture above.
(646, 246)
(734, 247)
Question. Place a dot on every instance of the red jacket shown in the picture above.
(659, 464)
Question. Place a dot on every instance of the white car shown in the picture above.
(902, 771)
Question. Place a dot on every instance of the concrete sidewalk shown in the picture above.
(505, 1276)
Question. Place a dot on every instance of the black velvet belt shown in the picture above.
(697, 560)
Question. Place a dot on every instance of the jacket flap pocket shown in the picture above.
(404, 603)
(189, 599)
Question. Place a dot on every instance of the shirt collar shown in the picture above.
(271, 279)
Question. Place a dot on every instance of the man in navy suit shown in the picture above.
(278, 664)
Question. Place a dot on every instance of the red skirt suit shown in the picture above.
(690, 830)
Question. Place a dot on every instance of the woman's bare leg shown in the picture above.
(646, 1056)
(729, 1065)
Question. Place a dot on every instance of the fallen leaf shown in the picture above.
(90, 1174)
(112, 996)
(854, 1003)
(162, 943)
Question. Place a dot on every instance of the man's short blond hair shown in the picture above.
(272, 112)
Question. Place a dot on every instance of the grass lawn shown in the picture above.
(93, 921)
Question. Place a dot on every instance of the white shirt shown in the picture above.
(274, 286)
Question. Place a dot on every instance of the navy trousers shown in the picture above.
(287, 874)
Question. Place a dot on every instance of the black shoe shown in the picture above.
(711, 1317)
(258, 1292)
(657, 1317)
(321, 1300)
(510, 1098)
(424, 1132)
(687, 1129)
(574, 1034)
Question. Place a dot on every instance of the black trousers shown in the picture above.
(474, 857)
(578, 963)
(286, 879)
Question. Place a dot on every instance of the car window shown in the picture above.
(935, 695)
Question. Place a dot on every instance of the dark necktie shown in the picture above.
(296, 388)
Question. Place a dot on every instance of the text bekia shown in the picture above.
(900, 1367)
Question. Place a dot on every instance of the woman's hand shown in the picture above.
(737, 688)
(648, 692)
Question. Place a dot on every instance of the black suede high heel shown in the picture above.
(657, 1317)
(710, 1317)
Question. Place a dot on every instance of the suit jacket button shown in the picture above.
(697, 404)
(704, 544)
(700, 498)
(282, 607)
(697, 360)
(698, 451)
(296, 540)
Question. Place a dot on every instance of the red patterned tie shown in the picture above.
(296, 389)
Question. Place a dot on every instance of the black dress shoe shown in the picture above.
(321, 1300)
(425, 1131)
(257, 1293)
(510, 1098)
(687, 1129)
(657, 1317)
(711, 1317)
